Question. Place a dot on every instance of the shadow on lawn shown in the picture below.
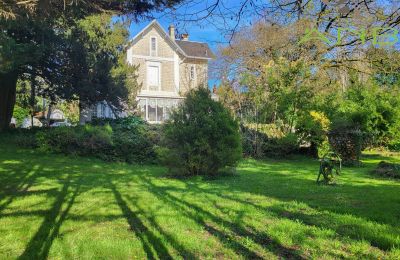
(149, 241)
(229, 232)
(213, 224)
(16, 184)
(347, 223)
(40, 244)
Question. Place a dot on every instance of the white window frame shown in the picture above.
(155, 52)
(192, 67)
(147, 101)
(153, 64)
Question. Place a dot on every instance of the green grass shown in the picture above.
(67, 208)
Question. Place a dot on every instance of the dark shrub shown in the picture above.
(127, 140)
(201, 138)
(23, 137)
(96, 141)
(347, 140)
(60, 140)
(281, 147)
(394, 146)
(390, 170)
(82, 140)
(133, 139)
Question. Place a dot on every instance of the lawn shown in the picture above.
(67, 208)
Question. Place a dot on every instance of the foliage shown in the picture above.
(70, 111)
(313, 128)
(347, 140)
(201, 138)
(68, 55)
(129, 140)
(281, 147)
(394, 145)
(374, 110)
(100, 71)
(20, 114)
(268, 140)
(133, 139)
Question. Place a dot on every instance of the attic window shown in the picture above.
(153, 46)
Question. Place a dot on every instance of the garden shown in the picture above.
(294, 153)
(123, 189)
(57, 206)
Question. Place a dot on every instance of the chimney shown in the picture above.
(171, 30)
(185, 37)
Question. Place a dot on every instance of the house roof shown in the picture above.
(196, 50)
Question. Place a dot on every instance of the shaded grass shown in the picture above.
(53, 206)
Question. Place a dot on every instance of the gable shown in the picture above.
(140, 44)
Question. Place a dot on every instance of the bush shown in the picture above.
(252, 141)
(127, 140)
(347, 140)
(133, 139)
(281, 147)
(394, 146)
(24, 138)
(82, 140)
(201, 138)
(390, 170)
(313, 128)
(265, 142)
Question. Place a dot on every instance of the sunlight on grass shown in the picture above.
(64, 207)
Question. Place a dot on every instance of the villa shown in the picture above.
(168, 68)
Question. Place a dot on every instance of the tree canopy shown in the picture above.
(52, 42)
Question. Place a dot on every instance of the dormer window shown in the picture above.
(192, 72)
(153, 46)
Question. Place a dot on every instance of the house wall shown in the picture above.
(139, 54)
(154, 106)
(142, 46)
(201, 68)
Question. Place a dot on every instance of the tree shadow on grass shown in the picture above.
(152, 245)
(16, 184)
(40, 244)
(382, 236)
(213, 224)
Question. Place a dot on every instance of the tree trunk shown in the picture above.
(8, 86)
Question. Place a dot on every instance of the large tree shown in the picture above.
(34, 40)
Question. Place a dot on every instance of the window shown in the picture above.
(152, 109)
(153, 46)
(143, 108)
(192, 72)
(153, 77)
(157, 109)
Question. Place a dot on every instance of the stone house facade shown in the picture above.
(168, 68)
